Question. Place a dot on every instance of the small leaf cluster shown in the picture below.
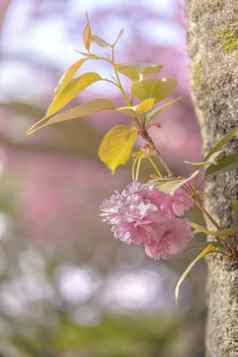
(145, 99)
(142, 101)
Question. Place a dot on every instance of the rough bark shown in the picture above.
(213, 48)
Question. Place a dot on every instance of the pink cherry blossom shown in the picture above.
(143, 215)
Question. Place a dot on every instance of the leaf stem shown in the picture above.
(120, 86)
(150, 141)
(154, 166)
(197, 200)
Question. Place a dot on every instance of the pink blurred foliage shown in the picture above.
(60, 196)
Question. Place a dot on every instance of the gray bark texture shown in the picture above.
(213, 48)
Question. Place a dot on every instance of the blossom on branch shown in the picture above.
(143, 215)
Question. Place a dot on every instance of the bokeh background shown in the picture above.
(66, 288)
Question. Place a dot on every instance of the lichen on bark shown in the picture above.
(228, 38)
(196, 73)
(215, 97)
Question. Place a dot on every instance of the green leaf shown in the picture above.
(116, 146)
(211, 160)
(222, 142)
(77, 112)
(68, 75)
(99, 41)
(144, 106)
(155, 112)
(209, 249)
(153, 88)
(224, 164)
(172, 184)
(141, 108)
(198, 229)
(127, 111)
(87, 36)
(72, 89)
(134, 72)
(219, 233)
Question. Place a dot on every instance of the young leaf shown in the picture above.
(153, 88)
(209, 249)
(222, 142)
(127, 111)
(155, 112)
(87, 36)
(172, 184)
(224, 164)
(211, 160)
(68, 76)
(144, 106)
(219, 233)
(79, 111)
(133, 72)
(99, 41)
(141, 108)
(72, 89)
(155, 68)
(116, 146)
(198, 229)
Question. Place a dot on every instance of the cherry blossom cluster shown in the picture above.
(143, 215)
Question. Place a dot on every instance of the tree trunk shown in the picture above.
(213, 48)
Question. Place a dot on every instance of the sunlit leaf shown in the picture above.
(144, 106)
(224, 164)
(134, 72)
(222, 142)
(129, 71)
(127, 111)
(68, 76)
(77, 112)
(152, 69)
(87, 36)
(153, 88)
(116, 146)
(72, 90)
(209, 249)
(99, 41)
(141, 108)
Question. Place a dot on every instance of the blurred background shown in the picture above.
(66, 288)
